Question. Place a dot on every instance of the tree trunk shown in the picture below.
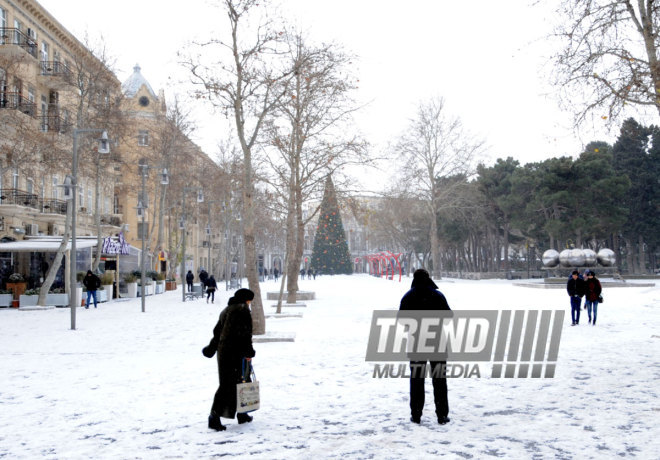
(55, 266)
(642, 255)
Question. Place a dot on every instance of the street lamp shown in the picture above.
(182, 226)
(143, 205)
(103, 147)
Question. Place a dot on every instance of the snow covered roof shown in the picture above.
(133, 84)
(45, 245)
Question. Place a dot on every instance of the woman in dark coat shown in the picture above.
(211, 286)
(232, 339)
(593, 290)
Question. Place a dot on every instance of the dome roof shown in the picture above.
(133, 84)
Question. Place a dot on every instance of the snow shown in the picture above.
(133, 385)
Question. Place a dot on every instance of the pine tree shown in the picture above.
(330, 253)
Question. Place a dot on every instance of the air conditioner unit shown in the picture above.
(32, 229)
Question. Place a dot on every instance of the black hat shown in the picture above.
(421, 278)
(243, 295)
(575, 272)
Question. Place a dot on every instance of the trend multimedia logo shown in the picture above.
(518, 343)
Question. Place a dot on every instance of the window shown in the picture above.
(143, 138)
(106, 205)
(30, 186)
(81, 197)
(90, 200)
(3, 26)
(55, 193)
(44, 52)
(15, 178)
(44, 113)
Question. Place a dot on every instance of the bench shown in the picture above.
(196, 293)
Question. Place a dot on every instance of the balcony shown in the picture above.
(15, 101)
(12, 196)
(55, 124)
(54, 74)
(11, 39)
(110, 219)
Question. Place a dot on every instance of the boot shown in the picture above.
(243, 418)
(215, 423)
(442, 419)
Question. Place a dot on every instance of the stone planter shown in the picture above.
(59, 300)
(160, 287)
(107, 288)
(5, 300)
(132, 290)
(28, 300)
(149, 290)
(170, 285)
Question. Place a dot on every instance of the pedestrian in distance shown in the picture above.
(232, 340)
(309, 273)
(424, 295)
(203, 277)
(211, 286)
(576, 289)
(189, 280)
(593, 292)
(91, 283)
(276, 273)
(302, 273)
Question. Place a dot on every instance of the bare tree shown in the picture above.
(435, 146)
(609, 57)
(312, 135)
(248, 86)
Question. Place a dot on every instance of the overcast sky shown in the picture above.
(489, 60)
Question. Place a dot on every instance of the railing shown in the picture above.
(16, 101)
(12, 36)
(54, 123)
(55, 69)
(12, 196)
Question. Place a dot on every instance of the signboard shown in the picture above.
(116, 247)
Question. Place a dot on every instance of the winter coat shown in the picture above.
(211, 285)
(593, 289)
(424, 295)
(576, 287)
(91, 282)
(190, 277)
(232, 339)
(203, 277)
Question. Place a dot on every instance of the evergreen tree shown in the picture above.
(330, 253)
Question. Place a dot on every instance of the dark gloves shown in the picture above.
(208, 351)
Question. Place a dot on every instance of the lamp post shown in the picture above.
(182, 226)
(208, 234)
(104, 147)
(143, 205)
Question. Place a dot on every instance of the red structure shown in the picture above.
(385, 264)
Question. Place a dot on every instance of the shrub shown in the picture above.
(5, 291)
(16, 278)
(130, 277)
(107, 278)
(31, 292)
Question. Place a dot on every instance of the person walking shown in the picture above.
(189, 280)
(232, 340)
(203, 277)
(91, 283)
(211, 286)
(424, 295)
(593, 291)
(576, 289)
(276, 273)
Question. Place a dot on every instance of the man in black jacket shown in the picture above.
(424, 295)
(91, 283)
(576, 289)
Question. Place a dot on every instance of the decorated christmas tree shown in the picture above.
(330, 254)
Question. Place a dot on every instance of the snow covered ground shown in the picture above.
(133, 385)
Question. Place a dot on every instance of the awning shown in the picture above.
(43, 245)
